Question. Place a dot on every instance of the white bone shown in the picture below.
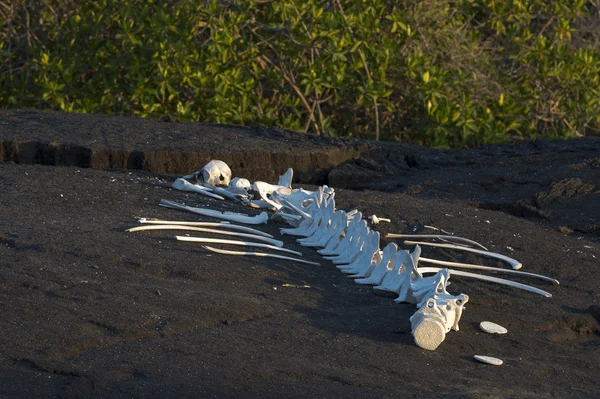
(183, 185)
(387, 265)
(376, 220)
(439, 237)
(381, 262)
(494, 361)
(240, 183)
(234, 242)
(364, 260)
(352, 248)
(215, 173)
(266, 189)
(225, 225)
(496, 280)
(320, 240)
(233, 195)
(271, 241)
(232, 217)
(490, 268)
(402, 275)
(428, 327)
(260, 254)
(346, 247)
(514, 263)
(260, 204)
(429, 286)
(492, 328)
(335, 246)
(285, 180)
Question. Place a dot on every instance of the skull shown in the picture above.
(216, 173)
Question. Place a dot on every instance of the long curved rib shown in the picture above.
(261, 254)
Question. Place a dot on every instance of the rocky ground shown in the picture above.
(92, 311)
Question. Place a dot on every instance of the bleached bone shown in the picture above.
(441, 310)
(347, 240)
(336, 224)
(439, 237)
(259, 204)
(379, 262)
(316, 200)
(215, 173)
(237, 195)
(428, 327)
(240, 183)
(225, 225)
(354, 245)
(319, 221)
(376, 220)
(234, 242)
(399, 279)
(285, 180)
(490, 268)
(284, 200)
(387, 265)
(230, 216)
(513, 262)
(365, 257)
(260, 254)
(264, 190)
(496, 280)
(429, 286)
(271, 241)
(345, 228)
(183, 185)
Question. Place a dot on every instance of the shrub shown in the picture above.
(437, 72)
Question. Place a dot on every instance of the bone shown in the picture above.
(215, 173)
(240, 183)
(496, 280)
(271, 241)
(233, 242)
(400, 278)
(285, 180)
(183, 185)
(494, 361)
(266, 189)
(260, 254)
(225, 225)
(386, 266)
(514, 263)
(428, 327)
(383, 259)
(232, 195)
(320, 239)
(232, 217)
(490, 268)
(439, 237)
(376, 220)
(365, 257)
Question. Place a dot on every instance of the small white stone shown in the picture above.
(489, 360)
(492, 328)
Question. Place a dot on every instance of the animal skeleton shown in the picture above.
(346, 240)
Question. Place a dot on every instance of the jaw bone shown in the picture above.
(183, 185)
(232, 217)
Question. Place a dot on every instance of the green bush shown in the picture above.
(437, 72)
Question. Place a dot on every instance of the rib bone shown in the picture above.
(271, 241)
(261, 254)
(225, 225)
(514, 263)
(439, 237)
(233, 242)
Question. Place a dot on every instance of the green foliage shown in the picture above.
(438, 72)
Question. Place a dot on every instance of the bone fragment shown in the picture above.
(490, 268)
(376, 220)
(496, 280)
(494, 361)
(271, 241)
(183, 185)
(439, 237)
(225, 225)
(514, 263)
(233, 242)
(226, 252)
(492, 328)
(285, 180)
(232, 217)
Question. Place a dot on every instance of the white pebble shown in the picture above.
(492, 328)
(489, 360)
